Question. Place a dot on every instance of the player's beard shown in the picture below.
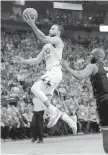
(93, 60)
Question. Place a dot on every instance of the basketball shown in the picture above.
(31, 12)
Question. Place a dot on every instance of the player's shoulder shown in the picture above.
(93, 68)
(91, 65)
(59, 41)
(57, 38)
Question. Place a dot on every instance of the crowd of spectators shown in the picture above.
(72, 96)
(70, 18)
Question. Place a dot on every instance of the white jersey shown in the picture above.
(53, 55)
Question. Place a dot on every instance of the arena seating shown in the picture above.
(62, 17)
(75, 97)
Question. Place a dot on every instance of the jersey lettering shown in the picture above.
(48, 55)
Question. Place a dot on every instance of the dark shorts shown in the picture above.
(102, 109)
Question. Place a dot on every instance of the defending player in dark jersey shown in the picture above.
(98, 73)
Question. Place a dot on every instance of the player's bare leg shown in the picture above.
(55, 113)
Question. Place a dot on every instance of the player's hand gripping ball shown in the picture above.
(30, 15)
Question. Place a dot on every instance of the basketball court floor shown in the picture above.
(79, 144)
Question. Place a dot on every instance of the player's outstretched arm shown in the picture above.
(32, 61)
(85, 73)
(40, 34)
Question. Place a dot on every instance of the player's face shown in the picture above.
(54, 31)
(93, 58)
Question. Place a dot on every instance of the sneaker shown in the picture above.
(72, 124)
(33, 140)
(54, 118)
(40, 141)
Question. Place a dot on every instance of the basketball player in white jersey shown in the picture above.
(52, 54)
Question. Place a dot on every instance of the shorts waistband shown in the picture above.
(51, 67)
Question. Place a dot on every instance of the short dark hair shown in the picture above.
(61, 29)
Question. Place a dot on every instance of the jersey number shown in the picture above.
(48, 53)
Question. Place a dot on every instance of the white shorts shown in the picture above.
(51, 80)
